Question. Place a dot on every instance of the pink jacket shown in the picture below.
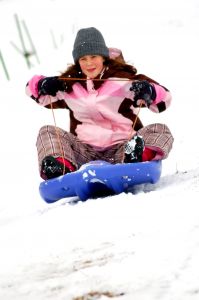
(97, 110)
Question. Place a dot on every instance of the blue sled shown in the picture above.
(100, 179)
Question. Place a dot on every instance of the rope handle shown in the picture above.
(94, 79)
(58, 136)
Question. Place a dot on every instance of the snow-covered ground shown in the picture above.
(143, 246)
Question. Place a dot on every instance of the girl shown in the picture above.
(103, 95)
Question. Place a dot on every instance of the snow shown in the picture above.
(130, 246)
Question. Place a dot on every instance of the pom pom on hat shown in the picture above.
(116, 54)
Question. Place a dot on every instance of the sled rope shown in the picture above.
(58, 136)
(135, 121)
(94, 79)
(132, 130)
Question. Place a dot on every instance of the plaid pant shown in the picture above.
(55, 141)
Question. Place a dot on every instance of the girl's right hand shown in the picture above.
(50, 86)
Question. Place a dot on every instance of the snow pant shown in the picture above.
(157, 137)
(58, 142)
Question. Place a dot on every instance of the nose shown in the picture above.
(88, 61)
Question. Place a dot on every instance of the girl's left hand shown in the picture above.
(144, 91)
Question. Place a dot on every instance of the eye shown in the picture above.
(82, 58)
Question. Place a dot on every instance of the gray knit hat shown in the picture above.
(89, 41)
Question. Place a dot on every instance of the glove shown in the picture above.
(143, 91)
(50, 86)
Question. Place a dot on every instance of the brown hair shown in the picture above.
(113, 67)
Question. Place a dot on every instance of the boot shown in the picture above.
(134, 149)
(52, 167)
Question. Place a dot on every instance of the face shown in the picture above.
(91, 65)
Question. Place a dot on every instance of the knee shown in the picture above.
(46, 128)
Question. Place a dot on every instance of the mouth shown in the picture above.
(91, 70)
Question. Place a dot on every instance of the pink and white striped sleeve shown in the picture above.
(32, 86)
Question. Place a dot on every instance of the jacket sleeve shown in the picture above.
(47, 100)
(32, 87)
(162, 99)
